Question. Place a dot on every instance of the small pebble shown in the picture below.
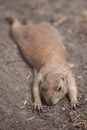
(63, 108)
(71, 65)
(79, 77)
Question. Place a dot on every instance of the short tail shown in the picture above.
(11, 20)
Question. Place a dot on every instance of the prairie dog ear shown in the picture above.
(44, 86)
(64, 79)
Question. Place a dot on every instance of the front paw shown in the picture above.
(37, 106)
(74, 104)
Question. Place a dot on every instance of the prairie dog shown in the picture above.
(42, 47)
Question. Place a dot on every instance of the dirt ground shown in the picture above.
(15, 91)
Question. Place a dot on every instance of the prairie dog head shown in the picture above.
(53, 88)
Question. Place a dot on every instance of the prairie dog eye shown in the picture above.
(59, 88)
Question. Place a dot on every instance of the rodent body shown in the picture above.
(42, 47)
(39, 43)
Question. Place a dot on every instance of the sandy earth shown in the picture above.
(15, 91)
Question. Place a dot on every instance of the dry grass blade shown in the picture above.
(31, 118)
(60, 21)
(77, 122)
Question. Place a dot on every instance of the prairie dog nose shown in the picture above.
(50, 102)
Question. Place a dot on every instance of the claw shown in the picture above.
(37, 107)
(74, 104)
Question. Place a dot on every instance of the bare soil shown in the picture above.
(15, 89)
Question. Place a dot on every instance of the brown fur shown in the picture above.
(37, 44)
(42, 47)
